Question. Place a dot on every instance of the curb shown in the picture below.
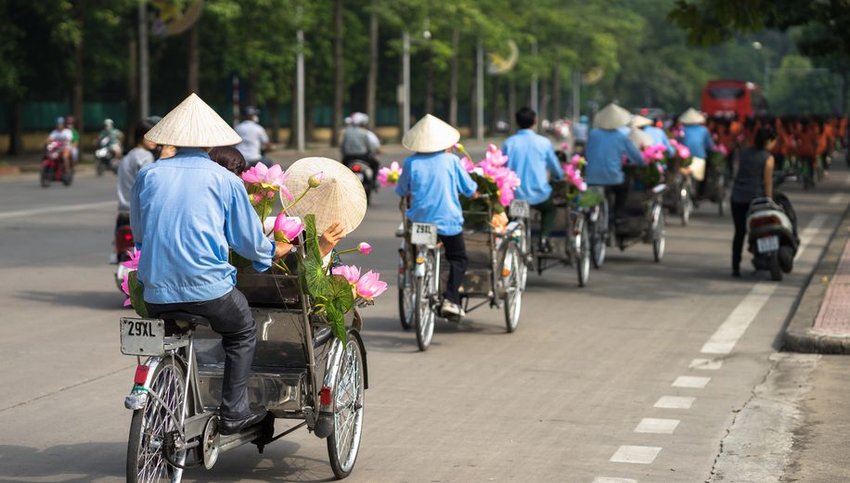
(799, 335)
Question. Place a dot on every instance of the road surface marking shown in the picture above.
(727, 335)
(657, 426)
(608, 479)
(674, 402)
(706, 364)
(838, 199)
(692, 382)
(56, 209)
(809, 233)
(642, 455)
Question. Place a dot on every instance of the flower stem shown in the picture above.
(288, 207)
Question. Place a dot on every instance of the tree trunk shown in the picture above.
(251, 92)
(339, 68)
(292, 142)
(372, 80)
(495, 110)
(556, 92)
(15, 130)
(274, 120)
(132, 84)
(544, 100)
(512, 102)
(194, 61)
(79, 77)
(429, 80)
(453, 75)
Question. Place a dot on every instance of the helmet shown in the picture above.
(251, 111)
(107, 122)
(359, 119)
(70, 120)
(60, 120)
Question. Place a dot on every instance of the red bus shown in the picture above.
(728, 97)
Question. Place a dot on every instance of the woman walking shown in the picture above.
(753, 180)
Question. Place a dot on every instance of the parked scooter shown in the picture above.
(53, 166)
(104, 157)
(364, 173)
(773, 237)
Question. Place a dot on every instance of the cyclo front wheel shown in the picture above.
(423, 313)
(348, 398)
(598, 233)
(512, 267)
(659, 242)
(406, 295)
(153, 424)
(582, 250)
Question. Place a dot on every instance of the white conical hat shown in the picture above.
(193, 124)
(429, 135)
(611, 116)
(639, 121)
(640, 138)
(339, 198)
(692, 116)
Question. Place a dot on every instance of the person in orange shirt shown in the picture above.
(807, 149)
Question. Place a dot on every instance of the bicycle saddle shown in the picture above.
(178, 316)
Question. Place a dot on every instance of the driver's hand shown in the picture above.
(281, 249)
(330, 238)
(476, 195)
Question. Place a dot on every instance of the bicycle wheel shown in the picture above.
(150, 426)
(659, 242)
(511, 265)
(598, 231)
(405, 296)
(423, 314)
(524, 253)
(686, 205)
(582, 251)
(348, 398)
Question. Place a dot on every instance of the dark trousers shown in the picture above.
(547, 216)
(739, 217)
(620, 193)
(456, 255)
(231, 318)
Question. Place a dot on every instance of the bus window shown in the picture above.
(726, 92)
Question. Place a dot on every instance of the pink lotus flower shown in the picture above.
(287, 229)
(370, 285)
(578, 160)
(389, 176)
(495, 156)
(683, 151)
(349, 272)
(468, 165)
(364, 248)
(316, 180)
(125, 287)
(722, 149)
(133, 262)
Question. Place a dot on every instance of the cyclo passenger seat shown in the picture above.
(182, 321)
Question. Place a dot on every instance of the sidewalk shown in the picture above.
(821, 323)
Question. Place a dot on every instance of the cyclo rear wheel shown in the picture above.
(406, 294)
(423, 313)
(348, 398)
(511, 278)
(659, 241)
(598, 233)
(581, 242)
(151, 425)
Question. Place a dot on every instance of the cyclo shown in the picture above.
(679, 198)
(642, 218)
(301, 373)
(495, 272)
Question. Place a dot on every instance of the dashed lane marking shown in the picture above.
(692, 382)
(642, 455)
(675, 402)
(809, 233)
(657, 426)
(56, 209)
(706, 364)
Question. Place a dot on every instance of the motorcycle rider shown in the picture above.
(358, 142)
(63, 135)
(70, 123)
(255, 140)
(128, 168)
(533, 159)
(115, 136)
(698, 139)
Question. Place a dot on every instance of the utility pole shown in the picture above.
(405, 82)
(479, 91)
(299, 89)
(534, 80)
(576, 95)
(144, 73)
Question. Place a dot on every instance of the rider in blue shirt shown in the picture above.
(656, 133)
(432, 178)
(698, 140)
(532, 158)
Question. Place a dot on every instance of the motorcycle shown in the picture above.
(773, 241)
(123, 243)
(105, 157)
(365, 174)
(53, 166)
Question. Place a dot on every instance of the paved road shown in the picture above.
(637, 376)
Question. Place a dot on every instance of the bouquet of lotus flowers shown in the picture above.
(263, 185)
(717, 156)
(574, 187)
(682, 153)
(493, 177)
(655, 160)
(389, 175)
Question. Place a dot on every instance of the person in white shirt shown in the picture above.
(63, 135)
(255, 140)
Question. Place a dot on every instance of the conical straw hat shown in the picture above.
(611, 116)
(640, 138)
(692, 116)
(639, 121)
(339, 198)
(429, 135)
(193, 124)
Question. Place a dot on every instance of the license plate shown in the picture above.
(767, 244)
(142, 337)
(519, 209)
(423, 234)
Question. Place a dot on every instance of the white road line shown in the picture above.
(657, 426)
(706, 364)
(642, 455)
(727, 335)
(608, 479)
(838, 199)
(692, 382)
(56, 209)
(674, 402)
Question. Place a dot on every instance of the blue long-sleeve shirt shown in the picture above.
(433, 181)
(606, 149)
(660, 137)
(186, 212)
(698, 140)
(532, 158)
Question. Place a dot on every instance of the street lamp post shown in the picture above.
(405, 82)
(144, 73)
